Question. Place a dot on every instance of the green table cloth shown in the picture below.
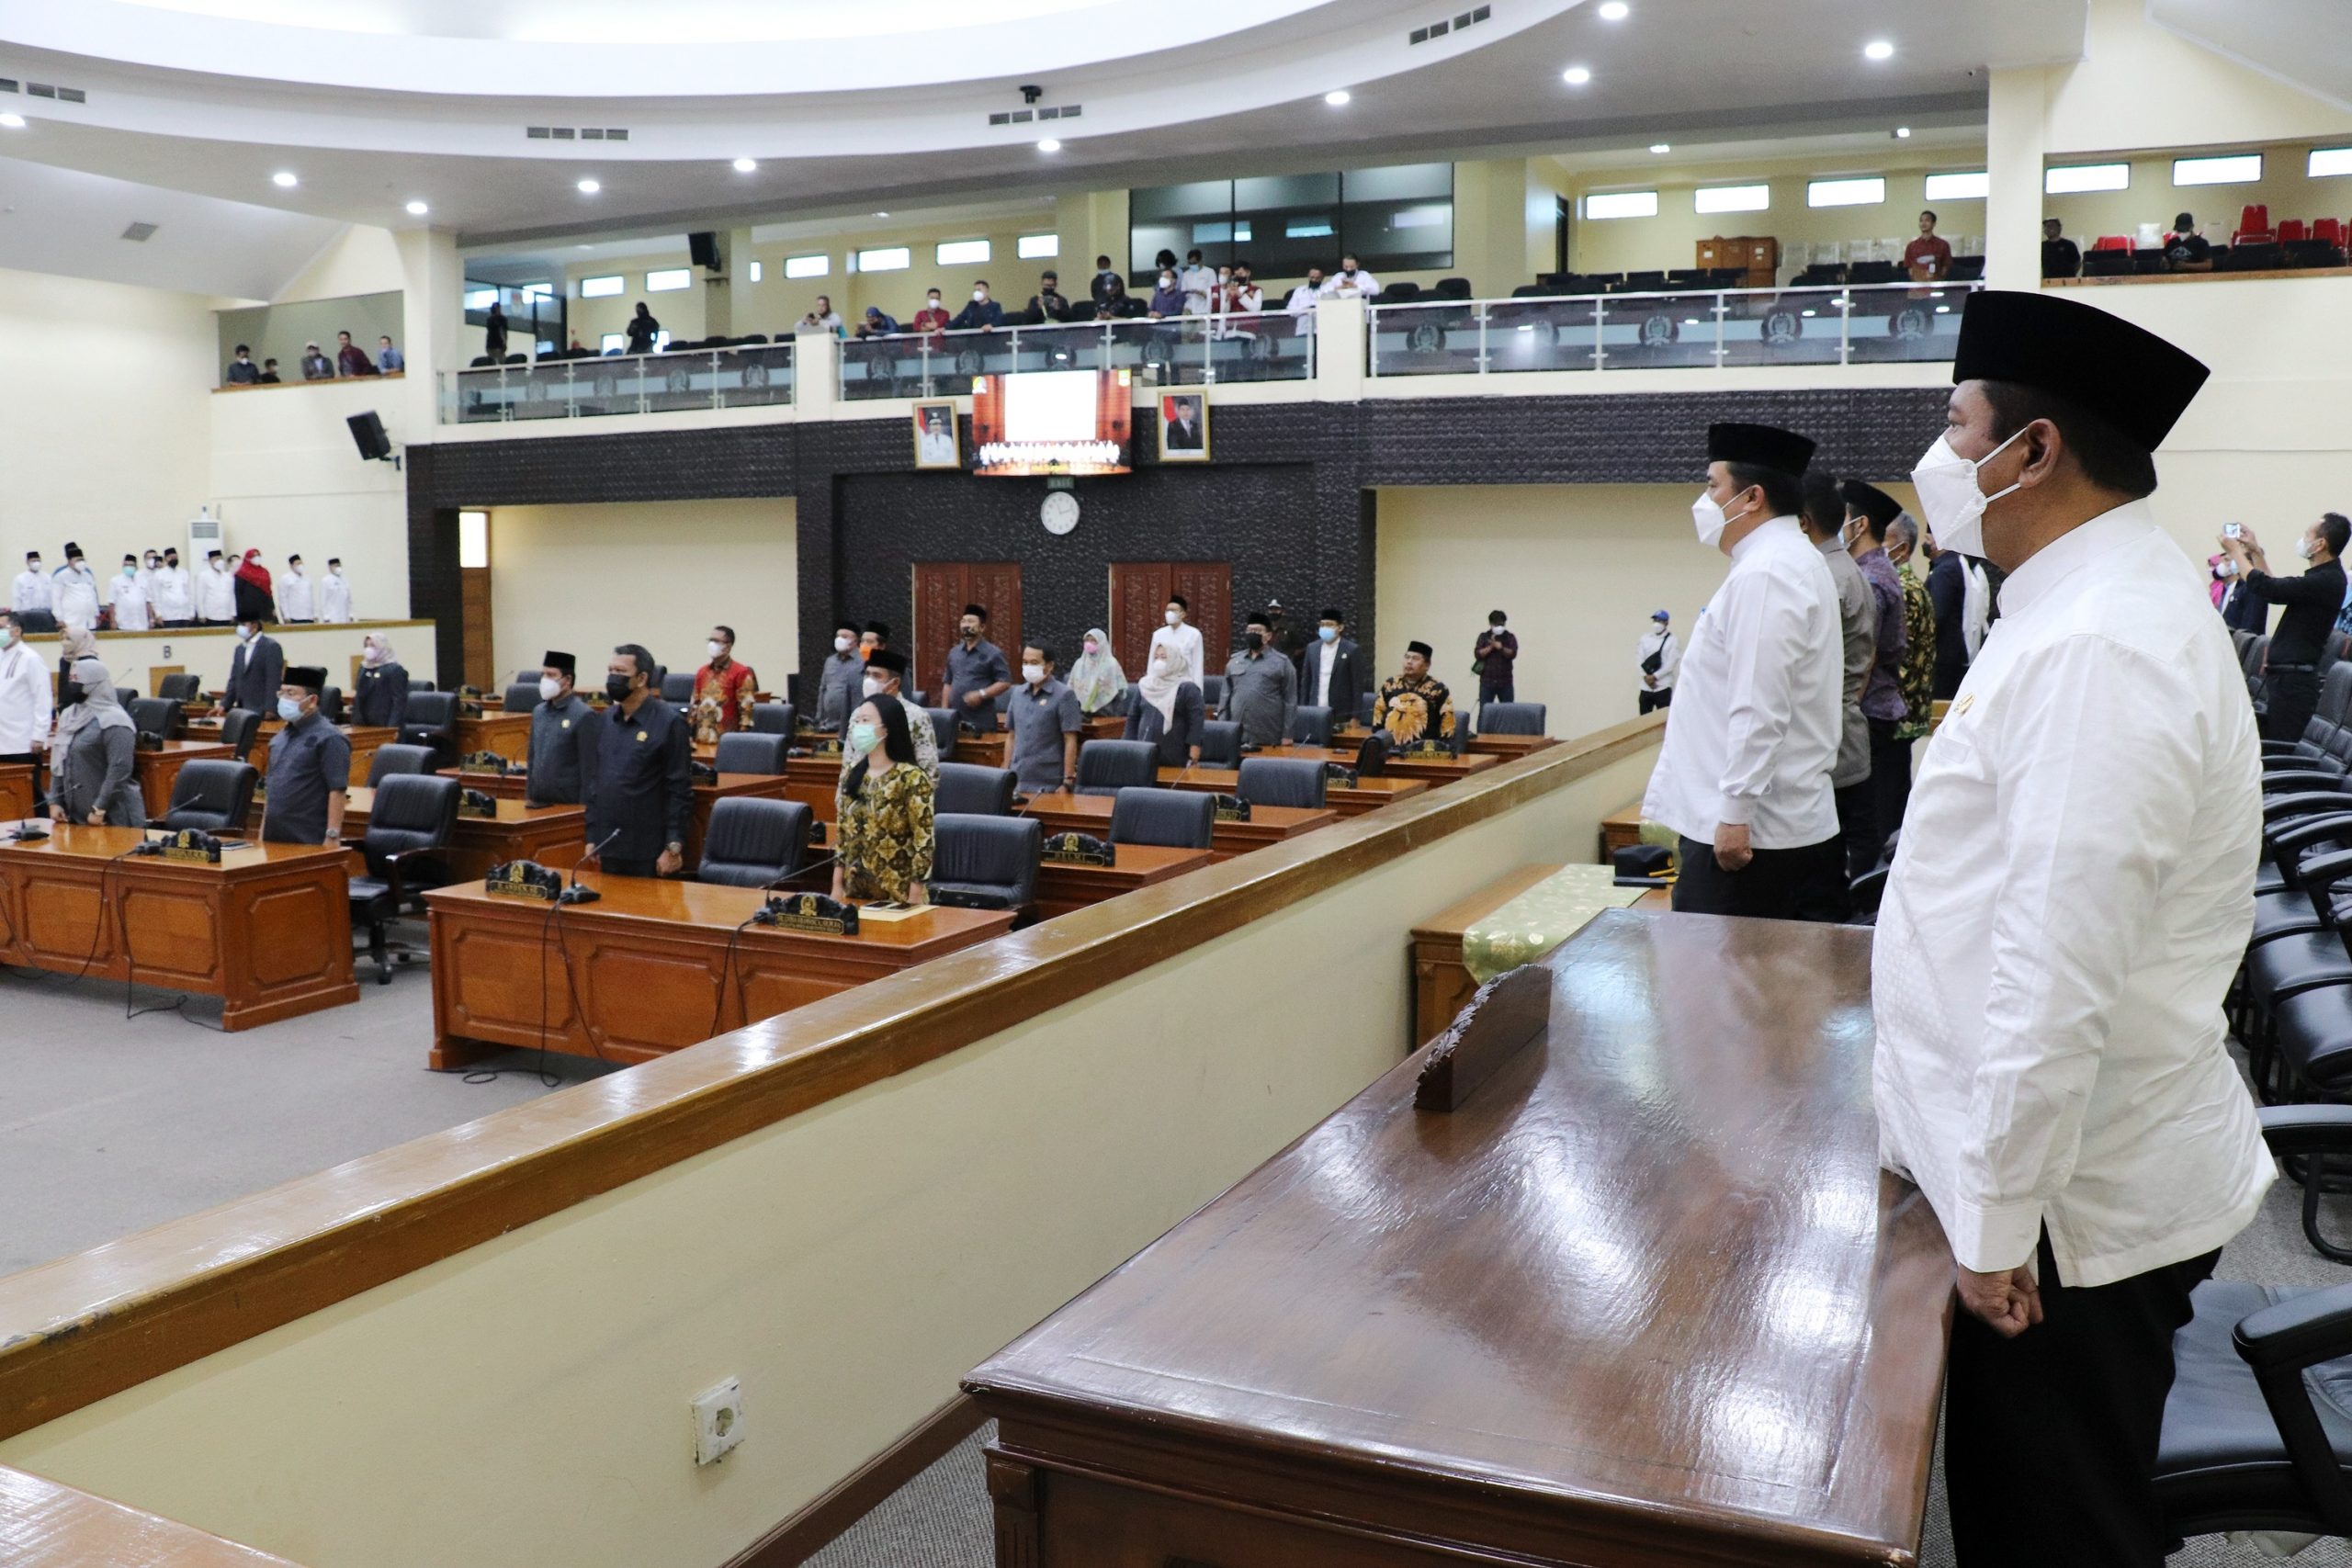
(1541, 918)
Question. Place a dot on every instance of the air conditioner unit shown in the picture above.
(203, 535)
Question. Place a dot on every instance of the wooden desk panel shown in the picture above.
(508, 734)
(159, 771)
(1365, 794)
(498, 786)
(1436, 770)
(1441, 982)
(1506, 747)
(655, 967)
(981, 751)
(1644, 1299)
(768, 786)
(18, 794)
(365, 740)
(1620, 829)
(268, 930)
(1062, 887)
(1267, 825)
(552, 835)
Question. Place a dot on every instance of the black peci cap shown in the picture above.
(563, 661)
(2100, 363)
(1760, 446)
(310, 677)
(1871, 501)
(976, 610)
(888, 659)
(1420, 648)
(1332, 615)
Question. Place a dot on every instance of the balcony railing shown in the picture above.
(1189, 351)
(748, 376)
(1855, 324)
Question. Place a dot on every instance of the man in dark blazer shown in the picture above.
(2241, 611)
(1343, 691)
(255, 670)
(1184, 427)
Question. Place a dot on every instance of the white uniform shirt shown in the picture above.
(1361, 285)
(130, 605)
(1186, 638)
(1754, 725)
(75, 597)
(215, 594)
(335, 598)
(1302, 305)
(2074, 891)
(30, 591)
(1199, 283)
(1669, 651)
(172, 599)
(24, 700)
(295, 602)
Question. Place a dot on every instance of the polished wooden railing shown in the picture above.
(44, 1525)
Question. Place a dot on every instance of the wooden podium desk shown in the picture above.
(769, 786)
(366, 739)
(1064, 813)
(1441, 982)
(508, 734)
(268, 930)
(1620, 829)
(159, 771)
(988, 751)
(552, 835)
(1062, 887)
(1643, 1298)
(1504, 746)
(1436, 770)
(1347, 800)
(649, 965)
(18, 794)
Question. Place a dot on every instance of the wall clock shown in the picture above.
(1059, 514)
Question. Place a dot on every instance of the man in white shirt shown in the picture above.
(1199, 283)
(29, 596)
(172, 597)
(130, 609)
(295, 600)
(1743, 776)
(216, 593)
(1178, 634)
(334, 594)
(1351, 282)
(24, 698)
(73, 590)
(2070, 898)
(1301, 305)
(1658, 655)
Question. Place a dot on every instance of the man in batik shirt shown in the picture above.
(1412, 706)
(723, 692)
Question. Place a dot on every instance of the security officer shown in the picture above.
(310, 767)
(561, 734)
(639, 788)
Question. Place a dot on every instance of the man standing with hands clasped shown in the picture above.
(639, 783)
(1743, 775)
(2072, 896)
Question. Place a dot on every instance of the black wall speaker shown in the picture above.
(704, 249)
(368, 435)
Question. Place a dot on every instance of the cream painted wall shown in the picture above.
(362, 259)
(586, 578)
(286, 478)
(134, 658)
(92, 452)
(848, 1264)
(2140, 85)
(2154, 199)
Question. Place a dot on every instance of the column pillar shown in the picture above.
(432, 312)
(2016, 133)
(1339, 326)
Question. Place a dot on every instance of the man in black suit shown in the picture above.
(1048, 303)
(1184, 429)
(1332, 673)
(2241, 611)
(255, 670)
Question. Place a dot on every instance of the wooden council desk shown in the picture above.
(1436, 770)
(1062, 887)
(1268, 824)
(507, 733)
(268, 930)
(1347, 800)
(18, 795)
(364, 738)
(159, 771)
(1443, 984)
(764, 786)
(1504, 746)
(653, 968)
(552, 835)
(1644, 1298)
(1620, 829)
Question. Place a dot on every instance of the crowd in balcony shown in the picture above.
(2256, 244)
(350, 361)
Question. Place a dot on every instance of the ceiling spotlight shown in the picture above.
(417, 209)
(1878, 49)
(1660, 147)
(1903, 133)
(1336, 96)
(746, 166)
(589, 188)
(881, 215)
(1049, 145)
(13, 121)
(1575, 75)
(284, 179)
(1615, 11)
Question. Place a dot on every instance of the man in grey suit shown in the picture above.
(255, 670)
(1332, 673)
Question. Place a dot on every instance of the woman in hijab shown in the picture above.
(1095, 676)
(382, 698)
(94, 775)
(254, 597)
(77, 643)
(1167, 710)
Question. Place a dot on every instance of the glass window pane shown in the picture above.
(535, 292)
(1287, 190)
(473, 539)
(1622, 203)
(1156, 202)
(668, 278)
(1732, 198)
(962, 253)
(598, 287)
(611, 343)
(2235, 169)
(2326, 160)
(1967, 184)
(1038, 247)
(481, 298)
(2066, 179)
(885, 258)
(758, 272)
(808, 266)
(1863, 192)
(1403, 182)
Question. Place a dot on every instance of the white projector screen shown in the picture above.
(1058, 405)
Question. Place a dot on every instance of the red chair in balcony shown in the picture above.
(2328, 229)
(2253, 226)
(2113, 242)
(2291, 231)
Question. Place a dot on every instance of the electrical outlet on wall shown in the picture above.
(718, 1421)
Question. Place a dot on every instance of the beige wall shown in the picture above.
(133, 657)
(585, 578)
(848, 1265)
(2154, 199)
(2140, 85)
(286, 478)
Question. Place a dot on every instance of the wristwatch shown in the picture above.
(676, 847)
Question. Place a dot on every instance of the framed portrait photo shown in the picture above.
(1184, 427)
(936, 444)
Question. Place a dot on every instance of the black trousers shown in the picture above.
(2293, 695)
(1808, 883)
(1857, 835)
(614, 867)
(1890, 781)
(1652, 701)
(1501, 692)
(2050, 1438)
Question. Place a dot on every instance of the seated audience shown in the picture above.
(886, 834)
(1351, 282)
(1048, 304)
(390, 360)
(1106, 276)
(1166, 709)
(931, 320)
(1303, 301)
(982, 312)
(2186, 249)
(1096, 676)
(1413, 707)
(269, 376)
(876, 324)
(1928, 257)
(822, 319)
(2061, 257)
(316, 367)
(242, 371)
(1167, 298)
(93, 776)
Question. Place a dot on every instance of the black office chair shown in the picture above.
(180, 688)
(942, 726)
(1312, 726)
(1213, 692)
(1363, 708)
(752, 842)
(967, 789)
(1511, 719)
(1220, 744)
(407, 827)
(212, 793)
(991, 862)
(1108, 767)
(432, 723)
(1176, 819)
(155, 717)
(523, 696)
(749, 751)
(1281, 780)
(419, 683)
(239, 730)
(331, 704)
(398, 759)
(679, 688)
(774, 719)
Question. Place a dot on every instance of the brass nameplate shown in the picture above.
(1078, 849)
(524, 879)
(812, 912)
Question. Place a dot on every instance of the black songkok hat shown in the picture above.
(977, 611)
(888, 659)
(1871, 502)
(1760, 446)
(562, 661)
(1420, 648)
(310, 677)
(2100, 363)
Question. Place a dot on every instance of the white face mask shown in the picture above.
(1033, 673)
(841, 645)
(1950, 497)
(933, 302)
(873, 686)
(1175, 616)
(550, 688)
(1707, 513)
(2303, 548)
(244, 634)
(979, 296)
(715, 647)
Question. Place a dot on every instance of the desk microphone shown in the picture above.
(576, 894)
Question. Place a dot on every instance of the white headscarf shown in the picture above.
(1096, 678)
(97, 707)
(1169, 669)
(383, 647)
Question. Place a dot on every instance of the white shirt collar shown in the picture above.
(1767, 526)
(2072, 551)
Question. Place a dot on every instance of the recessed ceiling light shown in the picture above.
(284, 179)
(417, 209)
(746, 166)
(13, 121)
(1660, 147)
(589, 188)
(1575, 75)
(1049, 145)
(1615, 11)
(1903, 131)
(881, 215)
(1336, 96)
(1879, 48)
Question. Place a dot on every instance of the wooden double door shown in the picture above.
(1139, 594)
(942, 589)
